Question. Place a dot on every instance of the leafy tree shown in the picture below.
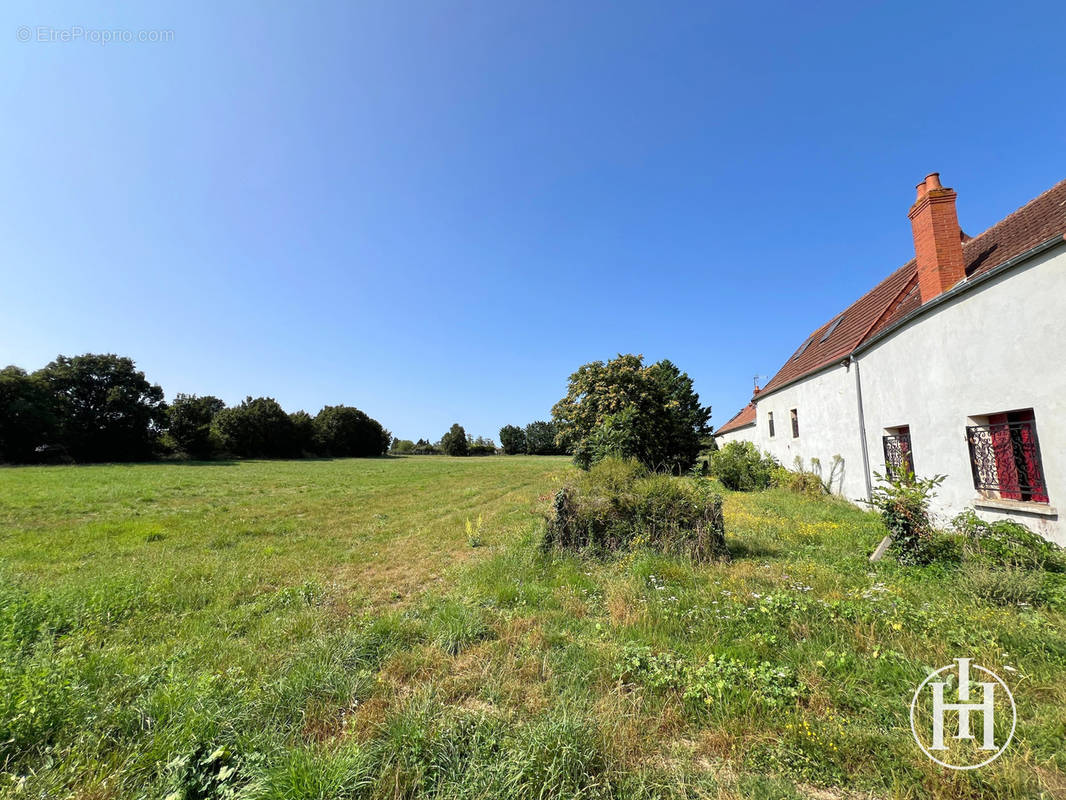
(303, 427)
(27, 415)
(540, 438)
(403, 446)
(512, 439)
(625, 408)
(344, 431)
(190, 423)
(108, 411)
(454, 443)
(257, 428)
(424, 447)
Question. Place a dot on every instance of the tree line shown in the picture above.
(100, 407)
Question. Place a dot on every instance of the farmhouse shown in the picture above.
(954, 364)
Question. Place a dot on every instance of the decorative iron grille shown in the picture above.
(898, 454)
(1006, 459)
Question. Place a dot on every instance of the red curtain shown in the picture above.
(1006, 469)
(1027, 436)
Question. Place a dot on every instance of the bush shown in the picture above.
(454, 442)
(347, 432)
(904, 505)
(618, 505)
(1006, 543)
(741, 468)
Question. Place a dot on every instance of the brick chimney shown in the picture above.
(937, 238)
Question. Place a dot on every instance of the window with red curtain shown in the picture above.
(1010, 456)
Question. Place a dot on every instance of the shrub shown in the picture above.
(618, 505)
(741, 468)
(512, 440)
(344, 432)
(1005, 543)
(903, 501)
(454, 442)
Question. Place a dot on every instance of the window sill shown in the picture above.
(1021, 506)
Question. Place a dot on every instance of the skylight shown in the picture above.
(805, 345)
(832, 328)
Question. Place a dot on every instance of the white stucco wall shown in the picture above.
(739, 435)
(999, 347)
(827, 410)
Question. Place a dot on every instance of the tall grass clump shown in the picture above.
(619, 505)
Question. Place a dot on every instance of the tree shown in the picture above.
(625, 408)
(344, 431)
(257, 428)
(190, 423)
(540, 439)
(404, 446)
(303, 429)
(108, 411)
(27, 416)
(453, 443)
(512, 439)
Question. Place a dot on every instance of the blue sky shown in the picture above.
(437, 211)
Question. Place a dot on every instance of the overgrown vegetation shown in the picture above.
(903, 500)
(742, 468)
(619, 505)
(323, 629)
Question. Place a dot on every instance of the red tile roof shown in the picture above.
(897, 295)
(745, 417)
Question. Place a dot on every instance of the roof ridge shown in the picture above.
(1014, 213)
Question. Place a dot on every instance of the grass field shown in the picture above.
(336, 629)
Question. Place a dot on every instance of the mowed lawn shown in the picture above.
(348, 629)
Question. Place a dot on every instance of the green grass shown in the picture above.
(325, 629)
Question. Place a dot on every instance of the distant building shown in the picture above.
(955, 364)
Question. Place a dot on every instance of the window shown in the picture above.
(832, 328)
(803, 347)
(1005, 457)
(899, 458)
(795, 424)
(770, 421)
